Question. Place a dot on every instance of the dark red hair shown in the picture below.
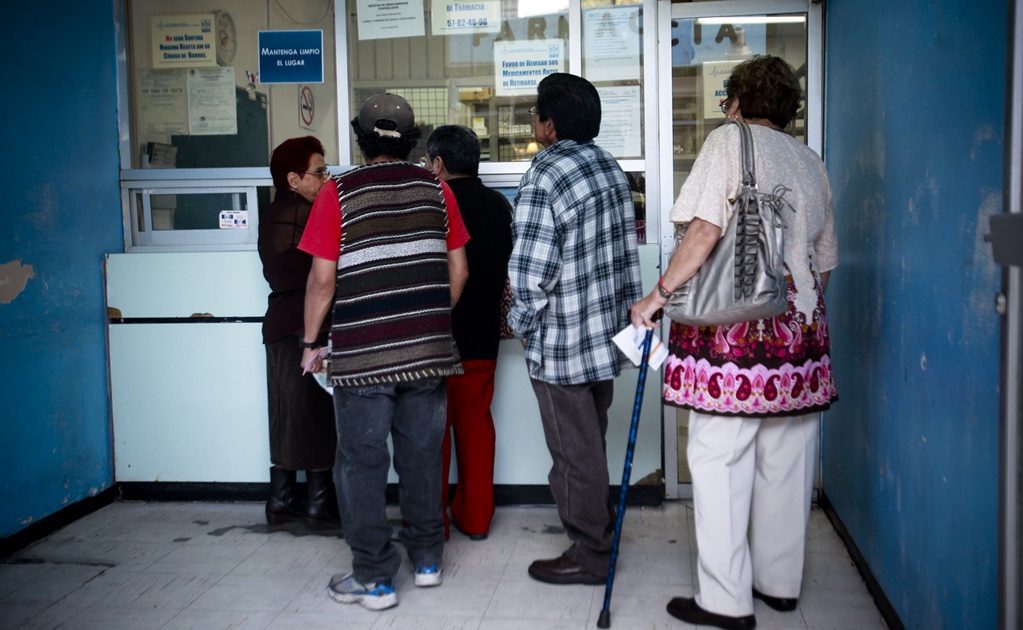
(292, 156)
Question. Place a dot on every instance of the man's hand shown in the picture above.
(311, 360)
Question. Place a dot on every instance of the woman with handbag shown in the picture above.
(755, 389)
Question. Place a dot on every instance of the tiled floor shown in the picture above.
(217, 565)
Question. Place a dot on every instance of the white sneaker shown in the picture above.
(347, 590)
(429, 576)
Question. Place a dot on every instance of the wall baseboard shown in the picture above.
(65, 516)
(884, 605)
(504, 495)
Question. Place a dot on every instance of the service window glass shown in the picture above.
(612, 60)
(220, 84)
(474, 63)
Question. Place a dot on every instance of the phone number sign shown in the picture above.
(466, 16)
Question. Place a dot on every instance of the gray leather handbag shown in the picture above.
(743, 279)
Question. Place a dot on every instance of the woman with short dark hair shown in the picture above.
(301, 413)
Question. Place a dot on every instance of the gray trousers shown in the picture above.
(575, 425)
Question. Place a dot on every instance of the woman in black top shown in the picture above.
(302, 431)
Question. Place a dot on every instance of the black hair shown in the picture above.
(374, 146)
(767, 87)
(572, 103)
(458, 146)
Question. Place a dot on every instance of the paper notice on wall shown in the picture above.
(211, 102)
(465, 16)
(611, 43)
(386, 19)
(520, 65)
(162, 102)
(234, 219)
(620, 115)
(715, 77)
(183, 41)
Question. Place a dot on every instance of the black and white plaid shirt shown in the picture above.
(574, 268)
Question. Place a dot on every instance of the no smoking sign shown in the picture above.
(306, 107)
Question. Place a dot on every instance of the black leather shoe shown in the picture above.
(686, 609)
(783, 604)
(562, 570)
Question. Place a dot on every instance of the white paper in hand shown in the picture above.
(630, 342)
(320, 358)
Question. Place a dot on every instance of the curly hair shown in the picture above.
(767, 87)
(373, 145)
(292, 156)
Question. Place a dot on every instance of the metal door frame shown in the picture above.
(1010, 565)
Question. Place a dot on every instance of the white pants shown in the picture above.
(752, 484)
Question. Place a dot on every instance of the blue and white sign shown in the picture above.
(519, 66)
(291, 56)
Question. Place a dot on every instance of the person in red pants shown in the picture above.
(453, 154)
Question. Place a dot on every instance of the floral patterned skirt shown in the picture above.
(768, 367)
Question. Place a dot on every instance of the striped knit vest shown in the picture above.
(392, 309)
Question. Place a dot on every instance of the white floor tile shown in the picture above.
(197, 565)
(158, 590)
(114, 618)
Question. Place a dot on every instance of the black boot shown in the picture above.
(321, 498)
(283, 504)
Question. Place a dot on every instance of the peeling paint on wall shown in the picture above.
(13, 278)
(985, 133)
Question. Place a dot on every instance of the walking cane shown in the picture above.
(604, 620)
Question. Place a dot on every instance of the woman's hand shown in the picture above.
(647, 312)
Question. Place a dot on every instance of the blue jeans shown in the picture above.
(413, 414)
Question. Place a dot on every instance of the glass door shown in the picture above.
(704, 41)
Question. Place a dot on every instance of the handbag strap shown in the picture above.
(749, 169)
(747, 220)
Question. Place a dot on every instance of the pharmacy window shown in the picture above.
(477, 63)
(212, 88)
(220, 84)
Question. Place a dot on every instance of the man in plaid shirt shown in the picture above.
(574, 274)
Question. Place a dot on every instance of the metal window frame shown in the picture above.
(139, 234)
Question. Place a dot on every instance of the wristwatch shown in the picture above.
(664, 292)
(308, 344)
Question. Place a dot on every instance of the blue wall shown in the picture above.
(915, 98)
(61, 215)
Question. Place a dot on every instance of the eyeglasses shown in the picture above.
(322, 173)
(532, 111)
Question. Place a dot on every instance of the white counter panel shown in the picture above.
(189, 402)
(178, 284)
